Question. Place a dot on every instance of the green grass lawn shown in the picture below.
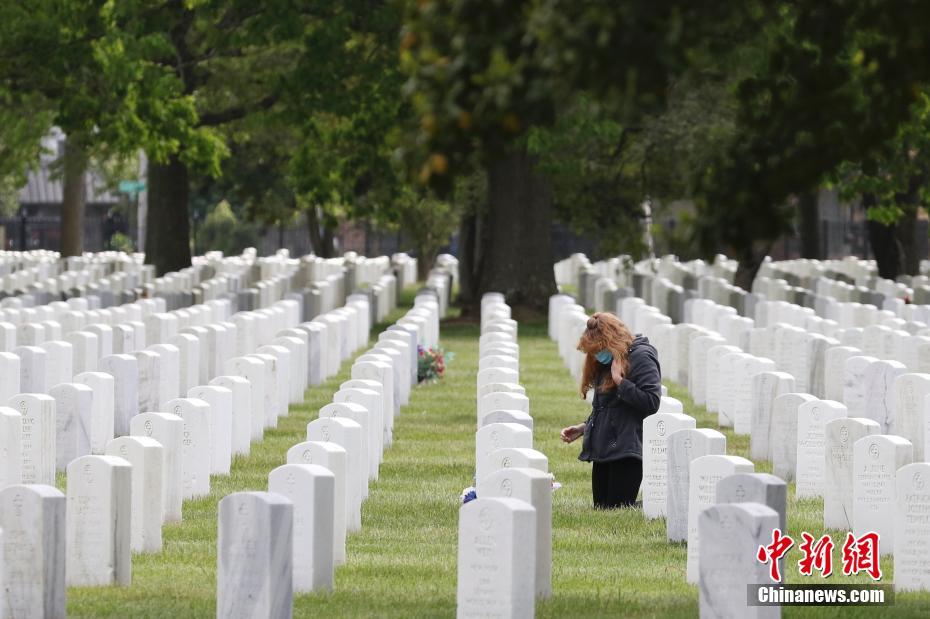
(403, 562)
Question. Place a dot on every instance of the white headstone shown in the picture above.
(766, 386)
(497, 436)
(146, 456)
(705, 472)
(496, 558)
(784, 439)
(876, 460)
(39, 431)
(196, 445)
(168, 430)
(241, 390)
(534, 487)
(682, 447)
(255, 548)
(312, 489)
(332, 457)
(32, 521)
(98, 521)
(11, 451)
(252, 370)
(125, 372)
(912, 528)
(813, 417)
(74, 404)
(221, 418)
(348, 435)
(840, 435)
(656, 430)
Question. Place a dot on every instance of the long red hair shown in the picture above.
(604, 331)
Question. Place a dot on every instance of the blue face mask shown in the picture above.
(604, 356)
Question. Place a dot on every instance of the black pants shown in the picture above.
(616, 484)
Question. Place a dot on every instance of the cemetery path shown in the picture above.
(403, 561)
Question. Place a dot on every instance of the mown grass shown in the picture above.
(403, 562)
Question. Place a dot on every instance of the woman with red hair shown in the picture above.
(623, 372)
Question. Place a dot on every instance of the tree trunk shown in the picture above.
(73, 199)
(167, 233)
(426, 258)
(517, 249)
(750, 259)
(468, 263)
(321, 236)
(809, 215)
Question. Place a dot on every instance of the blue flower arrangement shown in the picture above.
(469, 494)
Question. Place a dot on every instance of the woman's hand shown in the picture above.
(571, 433)
(616, 370)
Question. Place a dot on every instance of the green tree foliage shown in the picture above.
(222, 231)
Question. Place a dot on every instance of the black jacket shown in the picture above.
(615, 428)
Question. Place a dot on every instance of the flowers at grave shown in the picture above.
(431, 363)
(469, 494)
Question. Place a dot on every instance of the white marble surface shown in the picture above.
(312, 490)
(168, 430)
(332, 457)
(534, 487)
(32, 521)
(196, 446)
(497, 436)
(812, 419)
(784, 438)
(912, 528)
(656, 430)
(876, 460)
(124, 369)
(98, 522)
(11, 450)
(347, 434)
(74, 404)
(146, 456)
(39, 433)
(731, 534)
(220, 400)
(766, 386)
(252, 370)
(840, 435)
(703, 476)
(682, 447)
(103, 416)
(496, 558)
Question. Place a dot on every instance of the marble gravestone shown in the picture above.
(705, 472)
(910, 400)
(125, 372)
(383, 374)
(876, 460)
(682, 447)
(911, 528)
(855, 384)
(834, 366)
(270, 405)
(221, 405)
(506, 416)
(196, 445)
(255, 549)
(496, 559)
(784, 437)
(98, 522)
(9, 375)
(39, 433)
(880, 378)
(312, 490)
(497, 436)
(333, 458)
(813, 417)
(168, 430)
(762, 488)
(241, 429)
(534, 487)
(11, 450)
(766, 386)
(32, 544)
(840, 435)
(103, 412)
(253, 370)
(348, 435)
(73, 419)
(146, 456)
(731, 533)
(360, 464)
(368, 395)
(511, 457)
(32, 375)
(656, 430)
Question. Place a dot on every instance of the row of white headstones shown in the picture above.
(505, 534)
(121, 490)
(866, 478)
(272, 545)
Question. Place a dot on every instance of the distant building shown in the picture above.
(40, 206)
